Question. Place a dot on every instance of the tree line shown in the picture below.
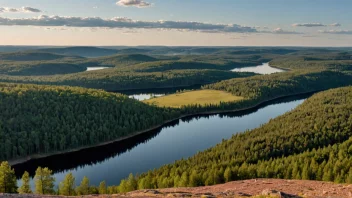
(44, 183)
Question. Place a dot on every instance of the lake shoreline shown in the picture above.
(154, 88)
(277, 67)
(39, 156)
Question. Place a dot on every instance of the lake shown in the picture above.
(180, 139)
(260, 69)
(96, 68)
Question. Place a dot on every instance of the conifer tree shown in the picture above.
(102, 188)
(25, 188)
(131, 183)
(349, 176)
(83, 188)
(228, 174)
(67, 186)
(44, 181)
(8, 182)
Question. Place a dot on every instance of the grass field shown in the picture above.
(201, 97)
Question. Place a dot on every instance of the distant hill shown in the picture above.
(48, 69)
(134, 51)
(31, 56)
(123, 60)
(82, 51)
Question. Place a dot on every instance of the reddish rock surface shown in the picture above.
(245, 188)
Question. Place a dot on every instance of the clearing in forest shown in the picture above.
(201, 97)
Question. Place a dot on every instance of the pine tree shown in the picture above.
(184, 180)
(194, 179)
(83, 188)
(349, 176)
(8, 182)
(102, 188)
(44, 181)
(228, 174)
(67, 186)
(131, 183)
(25, 188)
(123, 186)
(306, 172)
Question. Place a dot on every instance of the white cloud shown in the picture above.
(23, 9)
(119, 22)
(336, 31)
(335, 25)
(135, 3)
(281, 31)
(308, 25)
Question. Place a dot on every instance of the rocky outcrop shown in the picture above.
(247, 188)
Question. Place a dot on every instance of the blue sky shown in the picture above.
(267, 22)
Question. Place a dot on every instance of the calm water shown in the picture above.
(181, 139)
(145, 94)
(96, 68)
(260, 69)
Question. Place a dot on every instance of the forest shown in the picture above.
(154, 68)
(75, 117)
(128, 71)
(311, 142)
(45, 119)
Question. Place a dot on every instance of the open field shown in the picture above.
(201, 97)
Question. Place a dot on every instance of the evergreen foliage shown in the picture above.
(25, 188)
(8, 183)
(43, 119)
(67, 186)
(44, 181)
(84, 187)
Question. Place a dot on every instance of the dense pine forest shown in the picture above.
(43, 119)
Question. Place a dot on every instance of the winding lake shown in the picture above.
(260, 69)
(180, 139)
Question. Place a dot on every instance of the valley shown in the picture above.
(170, 108)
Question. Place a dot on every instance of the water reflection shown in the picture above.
(179, 139)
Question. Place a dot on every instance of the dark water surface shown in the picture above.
(181, 139)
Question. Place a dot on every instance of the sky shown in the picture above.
(176, 22)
